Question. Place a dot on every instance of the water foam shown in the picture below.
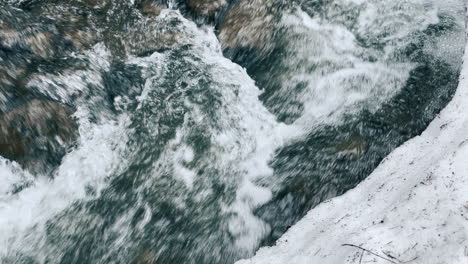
(346, 57)
(240, 132)
(203, 133)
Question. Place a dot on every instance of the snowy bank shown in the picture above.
(412, 209)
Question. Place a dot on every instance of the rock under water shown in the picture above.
(37, 134)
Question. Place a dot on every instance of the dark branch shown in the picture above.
(370, 252)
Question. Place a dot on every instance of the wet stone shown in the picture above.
(150, 8)
(354, 146)
(37, 134)
(249, 24)
(155, 34)
(206, 7)
(39, 35)
(32, 39)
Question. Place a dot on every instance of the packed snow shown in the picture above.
(412, 209)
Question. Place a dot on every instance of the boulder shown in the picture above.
(33, 40)
(155, 34)
(205, 7)
(75, 26)
(249, 24)
(150, 8)
(42, 34)
(37, 134)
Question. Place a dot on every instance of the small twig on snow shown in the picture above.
(370, 252)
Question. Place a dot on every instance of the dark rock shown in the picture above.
(21, 32)
(42, 34)
(155, 34)
(37, 134)
(75, 25)
(205, 7)
(150, 8)
(249, 24)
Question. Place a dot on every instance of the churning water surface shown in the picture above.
(201, 153)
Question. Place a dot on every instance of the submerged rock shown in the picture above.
(74, 24)
(37, 134)
(249, 25)
(41, 34)
(355, 146)
(155, 34)
(206, 7)
(31, 38)
(150, 8)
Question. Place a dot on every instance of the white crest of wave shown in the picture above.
(349, 64)
(81, 174)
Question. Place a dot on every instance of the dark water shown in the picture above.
(198, 131)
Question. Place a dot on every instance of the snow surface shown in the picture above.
(412, 209)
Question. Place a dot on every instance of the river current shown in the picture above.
(198, 137)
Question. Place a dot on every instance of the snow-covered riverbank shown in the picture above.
(412, 209)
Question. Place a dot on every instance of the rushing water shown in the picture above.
(185, 156)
